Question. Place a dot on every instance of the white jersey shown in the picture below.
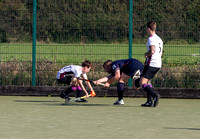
(71, 70)
(155, 59)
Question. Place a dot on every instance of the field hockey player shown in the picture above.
(120, 70)
(70, 75)
(152, 64)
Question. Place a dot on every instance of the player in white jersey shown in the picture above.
(70, 75)
(152, 64)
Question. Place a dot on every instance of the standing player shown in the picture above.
(120, 70)
(152, 64)
(71, 74)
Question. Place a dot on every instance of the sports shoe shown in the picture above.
(63, 95)
(67, 100)
(147, 104)
(119, 102)
(156, 100)
(81, 100)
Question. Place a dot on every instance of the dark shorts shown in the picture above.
(137, 82)
(65, 80)
(132, 67)
(149, 72)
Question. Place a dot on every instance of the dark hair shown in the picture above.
(107, 63)
(151, 25)
(87, 64)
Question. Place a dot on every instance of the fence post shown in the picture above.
(34, 42)
(130, 33)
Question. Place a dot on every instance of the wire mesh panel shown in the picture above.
(71, 31)
(15, 47)
(179, 27)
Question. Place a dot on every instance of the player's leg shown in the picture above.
(149, 97)
(134, 69)
(66, 80)
(136, 84)
(120, 88)
(78, 91)
(74, 84)
(147, 89)
(148, 75)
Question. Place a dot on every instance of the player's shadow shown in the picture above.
(41, 102)
(87, 104)
(182, 128)
(33, 101)
(77, 104)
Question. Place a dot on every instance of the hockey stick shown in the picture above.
(91, 81)
(92, 94)
(79, 98)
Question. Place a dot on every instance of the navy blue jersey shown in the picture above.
(126, 66)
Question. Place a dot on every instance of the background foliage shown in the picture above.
(65, 21)
(70, 31)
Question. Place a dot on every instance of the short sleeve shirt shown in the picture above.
(71, 70)
(155, 59)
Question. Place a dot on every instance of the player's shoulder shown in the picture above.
(154, 38)
(158, 37)
(76, 67)
(151, 38)
(115, 64)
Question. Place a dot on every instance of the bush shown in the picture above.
(179, 76)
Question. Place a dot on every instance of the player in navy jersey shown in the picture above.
(70, 75)
(152, 64)
(120, 70)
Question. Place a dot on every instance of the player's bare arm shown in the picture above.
(82, 86)
(113, 78)
(102, 80)
(151, 51)
(88, 84)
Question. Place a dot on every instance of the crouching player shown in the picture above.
(72, 74)
(120, 70)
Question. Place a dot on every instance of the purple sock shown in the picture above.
(144, 85)
(78, 88)
(73, 87)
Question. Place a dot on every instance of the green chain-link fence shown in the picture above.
(70, 31)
